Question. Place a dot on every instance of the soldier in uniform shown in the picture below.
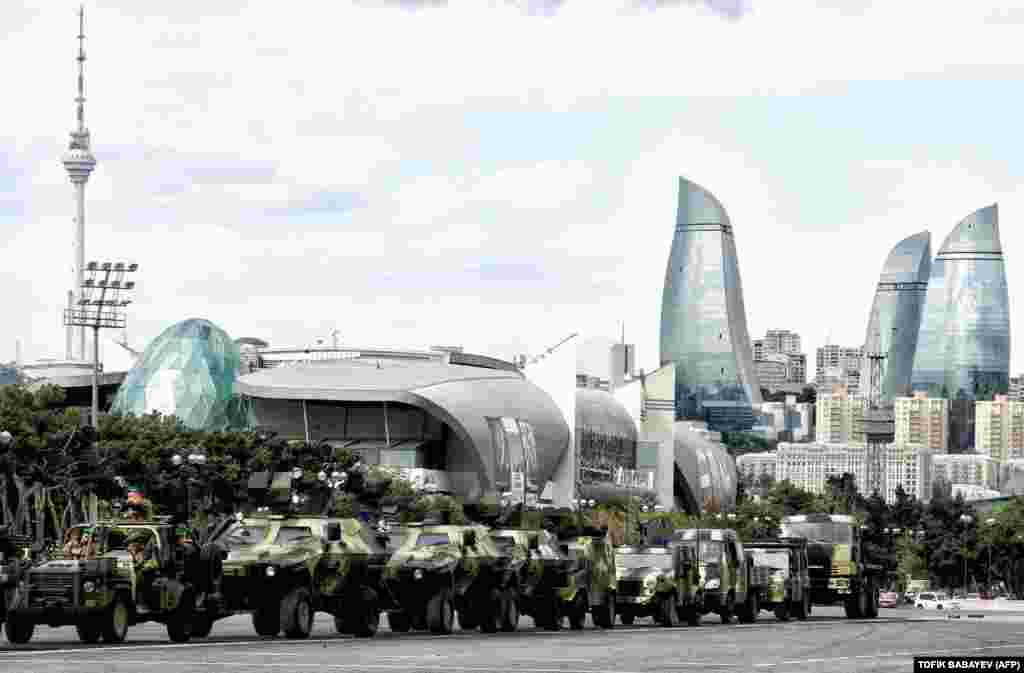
(88, 546)
(73, 546)
(144, 565)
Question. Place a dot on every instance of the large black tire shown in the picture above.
(211, 560)
(440, 614)
(782, 612)
(468, 619)
(201, 626)
(802, 608)
(267, 620)
(727, 612)
(114, 626)
(297, 614)
(550, 615)
(856, 605)
(491, 612)
(871, 601)
(669, 615)
(627, 618)
(367, 620)
(693, 616)
(88, 632)
(179, 624)
(18, 631)
(748, 615)
(604, 615)
(399, 622)
(510, 617)
(578, 611)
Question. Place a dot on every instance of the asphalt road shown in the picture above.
(826, 642)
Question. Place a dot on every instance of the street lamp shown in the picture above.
(965, 519)
(988, 585)
(102, 304)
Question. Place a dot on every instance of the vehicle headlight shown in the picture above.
(713, 584)
(89, 587)
(418, 573)
(271, 571)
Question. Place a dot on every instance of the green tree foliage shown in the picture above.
(739, 443)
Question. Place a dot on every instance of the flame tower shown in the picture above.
(79, 163)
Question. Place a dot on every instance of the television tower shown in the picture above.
(79, 163)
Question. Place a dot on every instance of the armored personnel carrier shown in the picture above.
(725, 577)
(541, 572)
(657, 582)
(591, 585)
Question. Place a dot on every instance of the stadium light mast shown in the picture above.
(104, 296)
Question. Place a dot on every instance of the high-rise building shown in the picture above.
(909, 467)
(703, 320)
(922, 422)
(781, 341)
(999, 429)
(779, 345)
(838, 365)
(772, 370)
(963, 348)
(840, 418)
(896, 315)
(1016, 391)
(966, 468)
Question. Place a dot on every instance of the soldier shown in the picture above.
(73, 546)
(136, 514)
(88, 546)
(143, 563)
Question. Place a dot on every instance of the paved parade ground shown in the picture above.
(827, 642)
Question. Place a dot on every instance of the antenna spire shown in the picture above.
(81, 69)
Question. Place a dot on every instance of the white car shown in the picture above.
(933, 601)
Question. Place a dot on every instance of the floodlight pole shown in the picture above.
(95, 376)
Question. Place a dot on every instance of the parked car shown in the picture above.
(934, 601)
(888, 599)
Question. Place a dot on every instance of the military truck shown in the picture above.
(725, 574)
(541, 571)
(657, 582)
(107, 591)
(442, 569)
(284, 568)
(591, 585)
(837, 565)
(12, 566)
(788, 585)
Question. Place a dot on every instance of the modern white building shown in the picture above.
(909, 467)
(966, 468)
(808, 466)
(971, 492)
(922, 422)
(839, 418)
(754, 465)
(792, 421)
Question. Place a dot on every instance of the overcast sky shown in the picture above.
(496, 175)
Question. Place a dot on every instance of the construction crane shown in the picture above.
(538, 358)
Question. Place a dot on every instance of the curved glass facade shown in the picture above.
(963, 348)
(606, 436)
(188, 372)
(896, 314)
(707, 470)
(703, 320)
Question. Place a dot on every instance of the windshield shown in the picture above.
(293, 535)
(641, 560)
(245, 535)
(778, 560)
(432, 539)
(823, 531)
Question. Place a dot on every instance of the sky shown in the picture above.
(496, 174)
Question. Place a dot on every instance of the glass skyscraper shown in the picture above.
(895, 318)
(963, 348)
(703, 321)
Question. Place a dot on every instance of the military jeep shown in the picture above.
(102, 595)
(725, 574)
(284, 568)
(443, 569)
(541, 571)
(657, 582)
(591, 584)
(787, 585)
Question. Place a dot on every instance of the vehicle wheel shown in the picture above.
(627, 618)
(267, 620)
(693, 616)
(211, 565)
(578, 612)
(399, 622)
(872, 602)
(439, 613)
(201, 626)
(367, 621)
(803, 610)
(179, 624)
(468, 620)
(552, 614)
(782, 612)
(667, 608)
(510, 618)
(297, 614)
(853, 604)
(604, 617)
(88, 633)
(114, 626)
(492, 612)
(729, 609)
(750, 610)
(18, 631)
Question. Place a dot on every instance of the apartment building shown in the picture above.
(808, 466)
(999, 428)
(754, 465)
(922, 422)
(839, 418)
(909, 467)
(966, 468)
(844, 361)
(780, 348)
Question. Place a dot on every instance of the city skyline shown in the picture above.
(259, 189)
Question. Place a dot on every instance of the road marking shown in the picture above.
(79, 666)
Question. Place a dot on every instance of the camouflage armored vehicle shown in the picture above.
(838, 566)
(724, 570)
(591, 584)
(658, 582)
(441, 569)
(788, 584)
(284, 568)
(12, 566)
(136, 572)
(540, 569)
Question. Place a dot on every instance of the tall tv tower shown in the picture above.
(79, 163)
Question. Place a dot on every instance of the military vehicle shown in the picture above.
(725, 574)
(837, 564)
(541, 571)
(788, 585)
(441, 569)
(284, 567)
(658, 582)
(591, 585)
(107, 591)
(12, 566)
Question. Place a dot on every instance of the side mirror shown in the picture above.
(534, 544)
(334, 532)
(470, 538)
